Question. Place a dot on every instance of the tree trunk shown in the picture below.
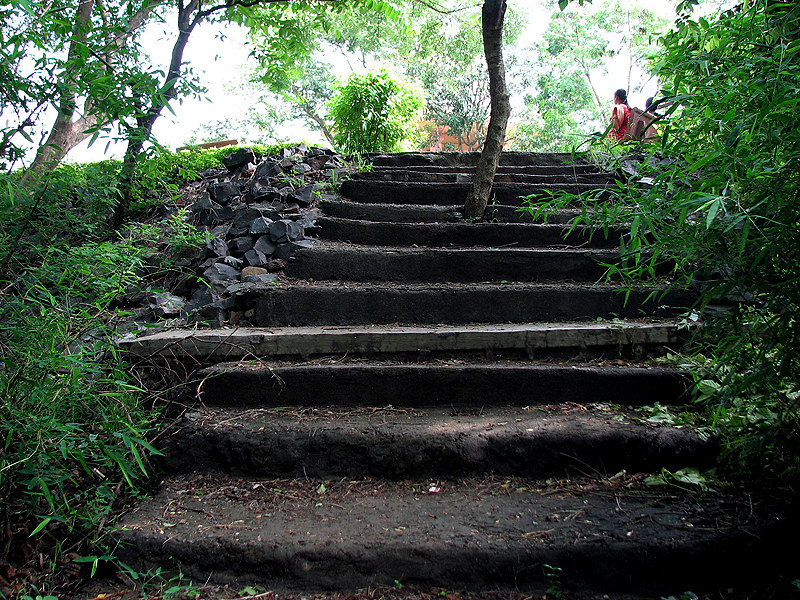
(187, 21)
(493, 15)
(66, 133)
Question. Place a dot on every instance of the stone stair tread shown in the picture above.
(612, 534)
(345, 262)
(369, 302)
(511, 194)
(348, 381)
(430, 213)
(520, 235)
(460, 159)
(396, 213)
(396, 442)
(463, 176)
(225, 344)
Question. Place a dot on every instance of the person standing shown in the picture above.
(620, 116)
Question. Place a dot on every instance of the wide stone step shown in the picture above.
(439, 441)
(345, 263)
(461, 159)
(451, 383)
(608, 535)
(519, 235)
(541, 179)
(442, 194)
(514, 214)
(376, 304)
(393, 213)
(427, 213)
(566, 170)
(528, 339)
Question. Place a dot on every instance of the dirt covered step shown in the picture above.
(512, 194)
(422, 213)
(566, 170)
(516, 214)
(625, 338)
(544, 178)
(454, 383)
(336, 303)
(470, 159)
(436, 265)
(393, 213)
(396, 442)
(517, 235)
(591, 534)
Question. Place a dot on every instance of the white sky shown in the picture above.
(220, 61)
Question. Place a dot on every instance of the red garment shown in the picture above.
(619, 132)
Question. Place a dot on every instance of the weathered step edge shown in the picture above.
(406, 444)
(253, 543)
(512, 194)
(532, 338)
(414, 304)
(430, 213)
(518, 235)
(410, 159)
(439, 265)
(254, 383)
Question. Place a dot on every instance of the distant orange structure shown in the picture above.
(440, 139)
(208, 145)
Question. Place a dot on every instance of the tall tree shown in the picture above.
(99, 56)
(493, 15)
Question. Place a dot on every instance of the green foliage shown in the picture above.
(72, 429)
(722, 217)
(564, 105)
(375, 112)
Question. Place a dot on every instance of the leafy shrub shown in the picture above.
(375, 112)
(73, 429)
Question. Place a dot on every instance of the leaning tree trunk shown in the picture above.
(65, 135)
(66, 131)
(492, 17)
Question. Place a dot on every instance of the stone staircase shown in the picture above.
(446, 404)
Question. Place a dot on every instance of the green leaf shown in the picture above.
(42, 524)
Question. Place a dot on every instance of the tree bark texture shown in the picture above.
(493, 16)
(69, 130)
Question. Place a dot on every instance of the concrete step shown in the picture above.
(427, 304)
(430, 265)
(318, 440)
(444, 194)
(513, 214)
(451, 383)
(470, 159)
(566, 170)
(422, 213)
(528, 339)
(517, 235)
(391, 213)
(543, 178)
(603, 535)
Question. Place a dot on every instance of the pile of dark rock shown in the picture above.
(257, 211)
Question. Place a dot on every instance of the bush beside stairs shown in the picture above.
(440, 403)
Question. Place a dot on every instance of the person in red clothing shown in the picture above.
(620, 116)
